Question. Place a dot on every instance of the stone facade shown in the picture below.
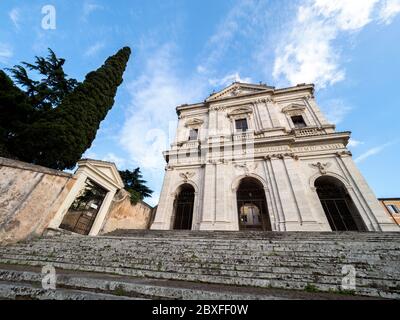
(30, 196)
(123, 215)
(286, 146)
(392, 208)
(34, 199)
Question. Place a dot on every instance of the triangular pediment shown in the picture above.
(240, 111)
(105, 169)
(194, 123)
(293, 107)
(238, 89)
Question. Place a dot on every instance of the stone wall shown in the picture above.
(124, 215)
(30, 196)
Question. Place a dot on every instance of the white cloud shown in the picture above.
(119, 162)
(229, 79)
(353, 143)
(94, 49)
(235, 22)
(14, 15)
(335, 110)
(6, 52)
(373, 151)
(89, 8)
(307, 52)
(153, 201)
(151, 119)
(389, 10)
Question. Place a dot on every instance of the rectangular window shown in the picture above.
(298, 122)
(241, 125)
(193, 134)
(393, 208)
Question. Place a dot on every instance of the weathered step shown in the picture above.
(21, 291)
(104, 286)
(280, 260)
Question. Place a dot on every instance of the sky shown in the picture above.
(185, 49)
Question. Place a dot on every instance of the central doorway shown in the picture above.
(252, 206)
(184, 204)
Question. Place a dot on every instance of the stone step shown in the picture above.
(22, 291)
(279, 260)
(300, 284)
(232, 245)
(362, 261)
(303, 275)
(296, 246)
(254, 234)
(111, 285)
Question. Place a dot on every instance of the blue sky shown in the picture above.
(185, 49)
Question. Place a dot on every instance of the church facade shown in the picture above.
(254, 157)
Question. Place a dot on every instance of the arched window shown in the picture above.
(338, 206)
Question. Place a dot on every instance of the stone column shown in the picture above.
(105, 206)
(314, 109)
(265, 119)
(286, 194)
(208, 218)
(275, 208)
(273, 113)
(372, 211)
(165, 205)
(59, 216)
(293, 168)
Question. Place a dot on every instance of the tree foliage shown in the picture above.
(135, 185)
(48, 92)
(59, 137)
(15, 111)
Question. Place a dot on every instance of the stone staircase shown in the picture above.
(207, 265)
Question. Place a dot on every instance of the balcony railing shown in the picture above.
(305, 132)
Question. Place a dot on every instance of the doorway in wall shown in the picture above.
(184, 204)
(252, 206)
(83, 211)
(339, 208)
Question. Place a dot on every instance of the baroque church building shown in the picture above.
(253, 157)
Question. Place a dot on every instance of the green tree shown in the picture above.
(135, 185)
(60, 137)
(48, 92)
(15, 111)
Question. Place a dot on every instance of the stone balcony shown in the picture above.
(305, 132)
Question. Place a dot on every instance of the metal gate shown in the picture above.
(83, 211)
(338, 208)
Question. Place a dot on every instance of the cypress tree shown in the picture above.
(15, 111)
(63, 134)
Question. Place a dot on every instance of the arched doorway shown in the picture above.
(252, 206)
(184, 204)
(339, 208)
